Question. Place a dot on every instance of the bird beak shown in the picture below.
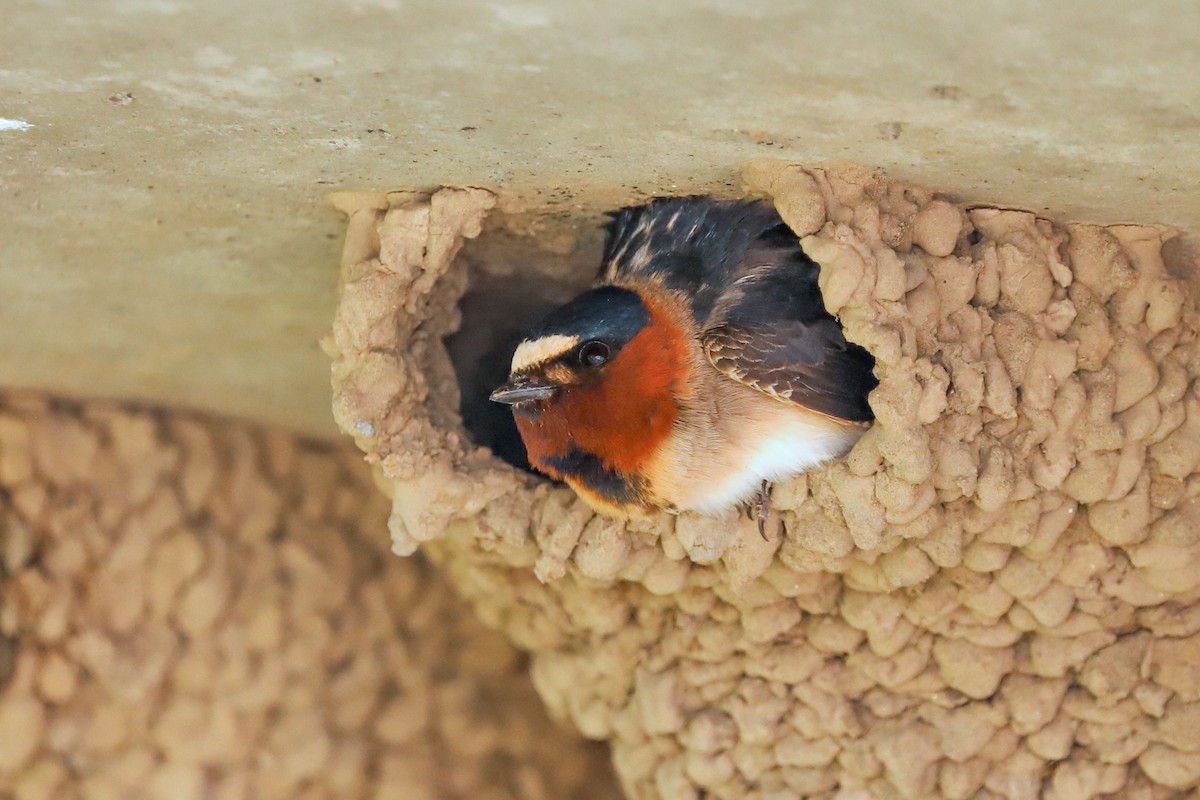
(523, 389)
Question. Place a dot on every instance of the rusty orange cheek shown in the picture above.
(544, 437)
(624, 418)
(629, 415)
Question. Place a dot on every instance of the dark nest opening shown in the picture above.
(513, 283)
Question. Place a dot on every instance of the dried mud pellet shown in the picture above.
(58, 678)
(937, 227)
(602, 550)
(973, 670)
(766, 623)
(1170, 767)
(798, 200)
(794, 750)
(22, 725)
(1175, 664)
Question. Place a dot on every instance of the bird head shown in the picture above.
(597, 377)
(573, 349)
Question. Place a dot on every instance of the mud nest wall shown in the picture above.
(996, 594)
(195, 609)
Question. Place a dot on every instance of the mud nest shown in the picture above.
(194, 609)
(995, 594)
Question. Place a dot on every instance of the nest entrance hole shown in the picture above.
(513, 282)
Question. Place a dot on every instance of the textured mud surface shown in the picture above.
(996, 594)
(193, 609)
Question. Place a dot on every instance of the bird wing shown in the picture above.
(691, 245)
(770, 331)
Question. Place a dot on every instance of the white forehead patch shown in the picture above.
(531, 353)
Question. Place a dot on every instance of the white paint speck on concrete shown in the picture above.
(14, 124)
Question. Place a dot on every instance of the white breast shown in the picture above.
(775, 441)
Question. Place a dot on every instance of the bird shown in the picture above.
(700, 368)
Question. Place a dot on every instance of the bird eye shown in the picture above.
(593, 354)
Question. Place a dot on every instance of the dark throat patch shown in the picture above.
(603, 480)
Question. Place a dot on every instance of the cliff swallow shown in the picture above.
(702, 367)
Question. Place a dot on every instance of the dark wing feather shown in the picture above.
(694, 245)
(770, 331)
(753, 292)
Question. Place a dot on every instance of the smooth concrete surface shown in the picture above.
(164, 163)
